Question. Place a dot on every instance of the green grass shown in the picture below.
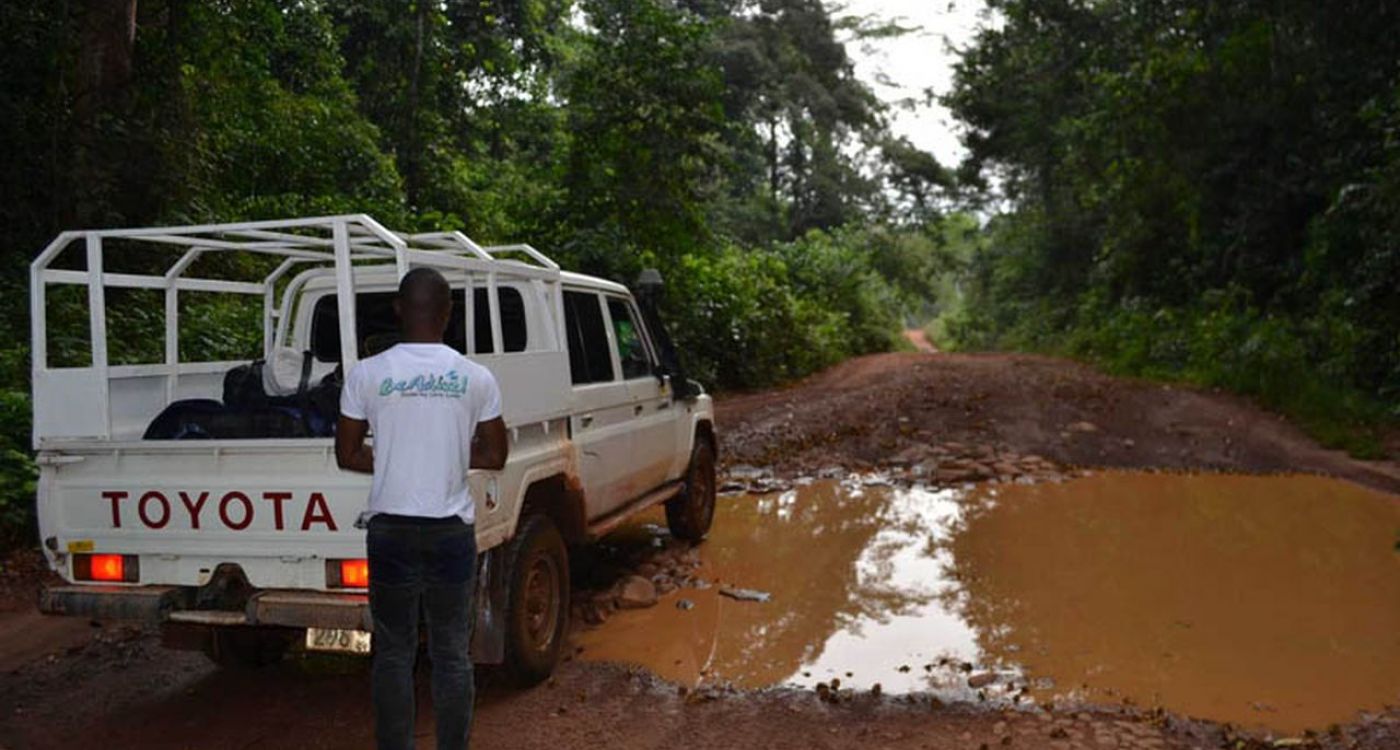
(1298, 369)
(1269, 360)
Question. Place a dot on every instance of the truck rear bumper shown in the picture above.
(158, 604)
(131, 603)
(177, 606)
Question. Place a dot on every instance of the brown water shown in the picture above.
(1263, 601)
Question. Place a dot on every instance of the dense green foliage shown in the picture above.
(726, 142)
(1204, 191)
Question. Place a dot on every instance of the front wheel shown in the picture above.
(537, 611)
(690, 513)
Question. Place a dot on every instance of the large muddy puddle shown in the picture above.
(1268, 602)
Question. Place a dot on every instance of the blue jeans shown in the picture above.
(427, 565)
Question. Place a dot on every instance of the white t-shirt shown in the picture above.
(422, 402)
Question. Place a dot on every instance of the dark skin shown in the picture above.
(424, 306)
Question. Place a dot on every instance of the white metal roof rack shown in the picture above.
(341, 241)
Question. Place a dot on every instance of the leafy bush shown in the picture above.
(17, 470)
(1301, 368)
(747, 319)
(1295, 367)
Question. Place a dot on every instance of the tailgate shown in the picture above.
(277, 509)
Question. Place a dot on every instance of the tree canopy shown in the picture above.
(727, 142)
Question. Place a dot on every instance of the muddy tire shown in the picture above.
(247, 647)
(537, 608)
(690, 513)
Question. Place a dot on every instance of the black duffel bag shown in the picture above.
(317, 406)
(206, 419)
(243, 386)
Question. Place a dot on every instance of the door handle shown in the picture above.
(585, 421)
(638, 409)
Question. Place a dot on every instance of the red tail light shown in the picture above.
(354, 573)
(112, 568)
(108, 568)
(347, 574)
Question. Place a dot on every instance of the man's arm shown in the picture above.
(490, 445)
(351, 453)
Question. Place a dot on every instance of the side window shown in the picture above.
(631, 351)
(513, 328)
(589, 358)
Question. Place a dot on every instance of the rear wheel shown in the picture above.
(537, 611)
(247, 647)
(690, 513)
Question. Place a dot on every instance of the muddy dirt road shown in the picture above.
(935, 419)
(867, 411)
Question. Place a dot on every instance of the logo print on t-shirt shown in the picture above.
(446, 385)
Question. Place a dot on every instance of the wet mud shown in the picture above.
(1265, 602)
(866, 411)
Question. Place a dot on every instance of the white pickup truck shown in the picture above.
(204, 495)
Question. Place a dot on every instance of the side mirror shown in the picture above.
(648, 290)
(650, 284)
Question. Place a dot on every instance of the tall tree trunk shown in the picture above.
(106, 39)
(413, 160)
(773, 158)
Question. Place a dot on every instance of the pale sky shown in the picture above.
(915, 62)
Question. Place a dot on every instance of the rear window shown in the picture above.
(378, 327)
(590, 360)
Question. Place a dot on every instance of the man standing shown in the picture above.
(433, 413)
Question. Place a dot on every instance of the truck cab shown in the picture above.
(203, 494)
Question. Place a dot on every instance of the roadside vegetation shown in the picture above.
(1199, 192)
(726, 142)
(1186, 191)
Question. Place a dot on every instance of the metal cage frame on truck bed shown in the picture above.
(76, 404)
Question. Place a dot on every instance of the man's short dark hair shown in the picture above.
(424, 286)
(424, 301)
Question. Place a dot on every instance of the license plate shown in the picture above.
(335, 639)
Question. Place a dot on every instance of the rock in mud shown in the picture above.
(982, 679)
(684, 604)
(595, 614)
(1006, 469)
(636, 593)
(768, 486)
(745, 471)
(746, 595)
(948, 476)
(911, 455)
